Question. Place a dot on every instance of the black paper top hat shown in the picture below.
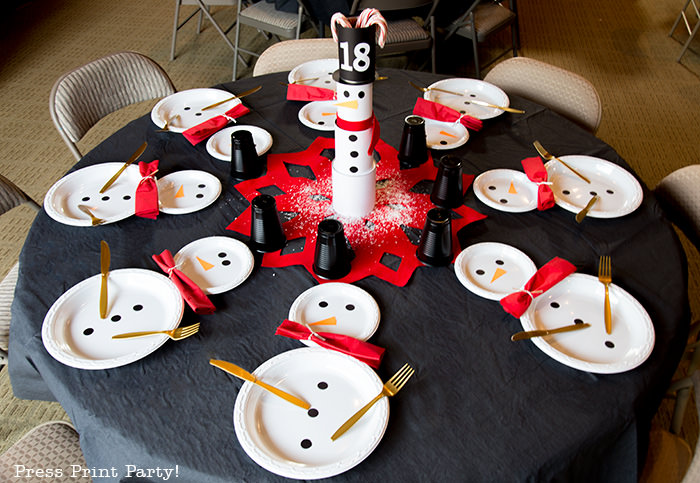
(356, 53)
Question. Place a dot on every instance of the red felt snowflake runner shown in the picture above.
(379, 241)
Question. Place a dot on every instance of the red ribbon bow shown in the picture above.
(146, 199)
(190, 291)
(438, 112)
(203, 130)
(299, 92)
(551, 273)
(368, 353)
(536, 172)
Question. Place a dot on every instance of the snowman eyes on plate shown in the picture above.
(480, 271)
(323, 304)
(226, 262)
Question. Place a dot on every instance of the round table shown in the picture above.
(479, 408)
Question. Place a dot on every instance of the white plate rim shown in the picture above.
(218, 94)
(370, 328)
(467, 252)
(480, 194)
(595, 213)
(72, 360)
(599, 368)
(237, 246)
(308, 123)
(332, 61)
(302, 471)
(226, 133)
(111, 168)
(501, 100)
(186, 210)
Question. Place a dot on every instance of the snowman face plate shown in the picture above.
(581, 298)
(82, 187)
(74, 334)
(356, 312)
(319, 115)
(619, 192)
(216, 264)
(445, 135)
(187, 191)
(321, 68)
(506, 190)
(291, 442)
(183, 109)
(219, 145)
(470, 89)
(493, 270)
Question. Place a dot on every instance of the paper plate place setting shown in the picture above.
(340, 308)
(619, 193)
(445, 135)
(317, 73)
(506, 190)
(473, 89)
(138, 300)
(319, 115)
(69, 199)
(219, 145)
(493, 270)
(579, 298)
(183, 109)
(216, 263)
(292, 442)
(187, 191)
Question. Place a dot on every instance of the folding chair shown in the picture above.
(692, 31)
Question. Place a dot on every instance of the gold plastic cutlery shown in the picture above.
(390, 388)
(605, 277)
(247, 376)
(104, 270)
(529, 334)
(175, 334)
(242, 94)
(547, 157)
(93, 219)
(470, 100)
(582, 214)
(166, 127)
(133, 158)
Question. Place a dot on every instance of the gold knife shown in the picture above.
(104, 269)
(242, 94)
(539, 333)
(247, 376)
(502, 108)
(582, 214)
(133, 158)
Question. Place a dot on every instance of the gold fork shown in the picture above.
(390, 388)
(166, 127)
(605, 277)
(93, 219)
(175, 334)
(547, 157)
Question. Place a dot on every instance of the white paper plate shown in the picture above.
(188, 106)
(82, 187)
(288, 441)
(319, 115)
(471, 89)
(321, 68)
(219, 145)
(187, 191)
(506, 190)
(216, 263)
(581, 297)
(74, 334)
(619, 192)
(445, 135)
(355, 311)
(493, 270)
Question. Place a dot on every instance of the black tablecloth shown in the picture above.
(479, 408)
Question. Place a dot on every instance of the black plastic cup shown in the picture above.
(332, 255)
(266, 233)
(356, 52)
(447, 189)
(435, 247)
(245, 162)
(413, 150)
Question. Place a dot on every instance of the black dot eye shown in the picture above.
(592, 193)
(88, 331)
(500, 262)
(201, 186)
(187, 108)
(322, 385)
(578, 321)
(346, 93)
(350, 307)
(610, 192)
(86, 198)
(226, 263)
(313, 412)
(306, 443)
(126, 197)
(200, 195)
(554, 305)
(609, 344)
(116, 318)
(105, 198)
(566, 192)
(480, 272)
(198, 114)
(492, 188)
(361, 95)
(323, 304)
(137, 307)
(222, 254)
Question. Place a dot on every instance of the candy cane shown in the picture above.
(372, 16)
(342, 20)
